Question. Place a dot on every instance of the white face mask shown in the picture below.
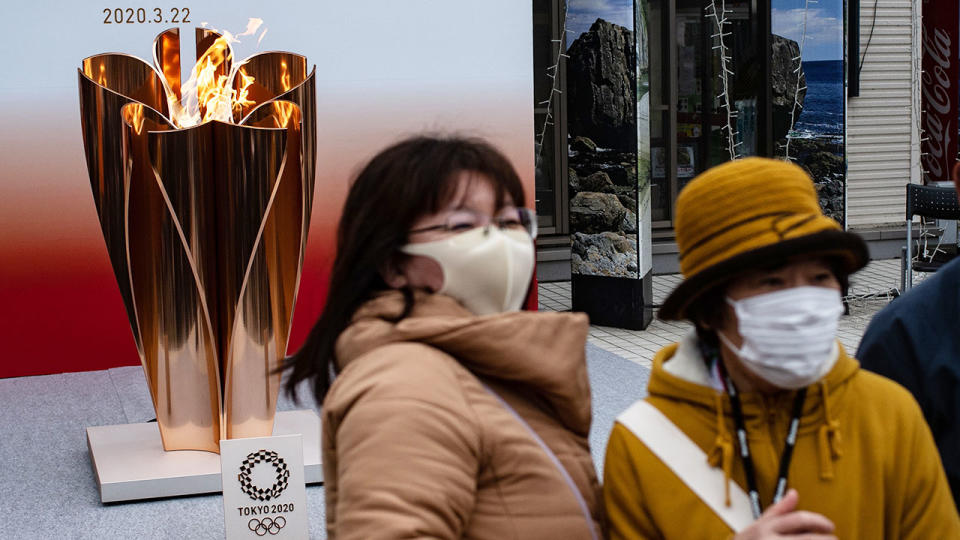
(789, 336)
(487, 269)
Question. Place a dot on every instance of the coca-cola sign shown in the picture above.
(941, 26)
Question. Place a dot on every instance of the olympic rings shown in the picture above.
(246, 483)
(267, 525)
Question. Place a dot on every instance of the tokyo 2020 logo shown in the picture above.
(280, 483)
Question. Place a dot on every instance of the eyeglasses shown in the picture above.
(513, 219)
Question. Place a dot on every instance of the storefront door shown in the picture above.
(708, 104)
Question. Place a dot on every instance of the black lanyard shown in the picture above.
(745, 447)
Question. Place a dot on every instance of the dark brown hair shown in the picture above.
(414, 177)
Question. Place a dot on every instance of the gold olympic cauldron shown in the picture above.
(204, 194)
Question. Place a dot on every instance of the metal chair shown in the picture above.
(926, 202)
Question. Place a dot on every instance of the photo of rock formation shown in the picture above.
(602, 98)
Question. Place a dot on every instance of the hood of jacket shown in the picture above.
(680, 374)
(540, 353)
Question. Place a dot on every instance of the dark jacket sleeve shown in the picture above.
(914, 341)
(887, 349)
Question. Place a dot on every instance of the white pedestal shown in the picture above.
(130, 463)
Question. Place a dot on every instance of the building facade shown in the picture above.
(636, 97)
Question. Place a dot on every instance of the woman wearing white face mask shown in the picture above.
(758, 424)
(452, 413)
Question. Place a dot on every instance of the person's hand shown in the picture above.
(783, 520)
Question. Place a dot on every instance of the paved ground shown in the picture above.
(870, 290)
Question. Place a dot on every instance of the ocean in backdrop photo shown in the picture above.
(822, 114)
(814, 33)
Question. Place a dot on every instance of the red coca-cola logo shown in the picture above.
(940, 112)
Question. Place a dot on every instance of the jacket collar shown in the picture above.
(542, 353)
(681, 374)
(687, 362)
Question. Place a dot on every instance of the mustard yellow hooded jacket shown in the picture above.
(864, 456)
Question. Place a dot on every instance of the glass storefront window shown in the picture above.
(694, 131)
(550, 166)
(660, 188)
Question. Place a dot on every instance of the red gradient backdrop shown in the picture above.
(385, 70)
(61, 307)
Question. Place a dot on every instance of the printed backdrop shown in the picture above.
(609, 135)
(814, 32)
(384, 70)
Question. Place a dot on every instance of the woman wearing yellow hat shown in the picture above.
(758, 424)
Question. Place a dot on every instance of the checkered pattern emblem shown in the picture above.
(274, 491)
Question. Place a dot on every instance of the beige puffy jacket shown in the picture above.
(415, 446)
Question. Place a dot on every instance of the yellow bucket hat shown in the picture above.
(746, 214)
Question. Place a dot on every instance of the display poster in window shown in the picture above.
(658, 162)
(808, 64)
(686, 162)
(381, 74)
